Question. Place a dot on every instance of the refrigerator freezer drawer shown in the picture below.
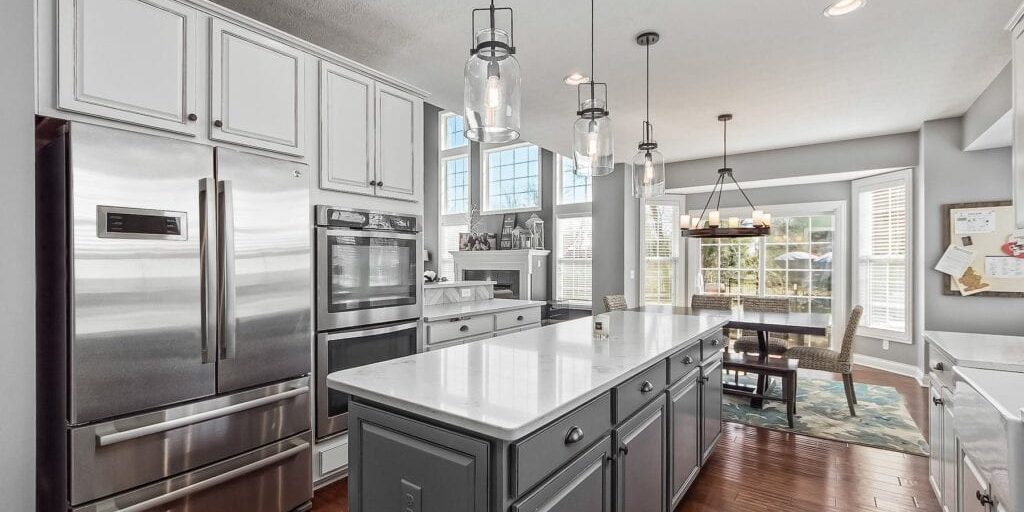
(275, 478)
(111, 457)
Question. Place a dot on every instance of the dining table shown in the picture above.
(764, 322)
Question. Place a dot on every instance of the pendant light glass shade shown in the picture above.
(493, 85)
(593, 141)
(648, 173)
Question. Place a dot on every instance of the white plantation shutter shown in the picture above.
(660, 256)
(575, 254)
(882, 252)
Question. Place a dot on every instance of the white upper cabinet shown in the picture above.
(399, 143)
(346, 130)
(256, 90)
(129, 60)
(1017, 34)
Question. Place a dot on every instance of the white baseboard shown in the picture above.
(907, 370)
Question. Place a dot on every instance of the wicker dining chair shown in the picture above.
(711, 301)
(615, 303)
(747, 341)
(815, 358)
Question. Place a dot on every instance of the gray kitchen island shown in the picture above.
(550, 419)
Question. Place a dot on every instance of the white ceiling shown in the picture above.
(790, 75)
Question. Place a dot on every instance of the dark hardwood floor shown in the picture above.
(757, 470)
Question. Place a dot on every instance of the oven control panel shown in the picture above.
(363, 219)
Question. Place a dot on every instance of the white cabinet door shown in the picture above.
(935, 441)
(346, 130)
(256, 90)
(974, 490)
(1018, 122)
(129, 60)
(399, 143)
(949, 454)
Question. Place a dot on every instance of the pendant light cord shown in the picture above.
(648, 127)
(592, 93)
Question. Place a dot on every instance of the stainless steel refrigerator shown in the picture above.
(174, 325)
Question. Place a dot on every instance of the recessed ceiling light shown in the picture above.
(841, 7)
(576, 79)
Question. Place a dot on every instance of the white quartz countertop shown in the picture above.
(454, 310)
(983, 351)
(456, 284)
(1001, 389)
(507, 387)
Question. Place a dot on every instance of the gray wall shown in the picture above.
(954, 176)
(980, 128)
(17, 252)
(609, 195)
(430, 184)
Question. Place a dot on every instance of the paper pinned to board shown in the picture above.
(974, 221)
(971, 282)
(1004, 267)
(955, 261)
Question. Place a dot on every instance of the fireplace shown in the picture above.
(506, 282)
(518, 274)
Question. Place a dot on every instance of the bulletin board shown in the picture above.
(987, 229)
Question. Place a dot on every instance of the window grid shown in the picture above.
(453, 136)
(882, 257)
(449, 242)
(660, 254)
(513, 178)
(573, 189)
(456, 185)
(575, 256)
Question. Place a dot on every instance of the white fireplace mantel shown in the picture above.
(531, 264)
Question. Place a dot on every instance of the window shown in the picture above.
(881, 273)
(511, 178)
(572, 189)
(456, 185)
(798, 262)
(575, 241)
(452, 131)
(453, 189)
(730, 266)
(660, 253)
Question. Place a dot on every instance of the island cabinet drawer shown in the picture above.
(585, 485)
(631, 395)
(941, 367)
(537, 456)
(711, 344)
(517, 318)
(683, 362)
(445, 330)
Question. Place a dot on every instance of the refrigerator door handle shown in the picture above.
(226, 300)
(164, 426)
(215, 481)
(208, 267)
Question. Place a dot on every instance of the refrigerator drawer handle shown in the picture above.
(214, 481)
(164, 426)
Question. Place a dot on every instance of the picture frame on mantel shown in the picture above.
(985, 242)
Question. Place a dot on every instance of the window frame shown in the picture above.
(902, 177)
(559, 168)
(485, 199)
(681, 277)
(840, 288)
(444, 155)
(568, 211)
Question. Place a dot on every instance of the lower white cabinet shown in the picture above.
(456, 331)
(935, 465)
(944, 448)
(974, 491)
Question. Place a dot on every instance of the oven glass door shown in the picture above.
(370, 270)
(349, 349)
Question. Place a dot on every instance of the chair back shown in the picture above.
(846, 350)
(765, 304)
(615, 303)
(711, 301)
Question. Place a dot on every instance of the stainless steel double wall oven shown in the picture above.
(369, 268)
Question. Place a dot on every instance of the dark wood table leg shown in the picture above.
(762, 380)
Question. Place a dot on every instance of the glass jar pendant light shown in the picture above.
(648, 163)
(493, 82)
(593, 143)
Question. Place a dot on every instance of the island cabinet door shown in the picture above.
(684, 435)
(711, 406)
(950, 450)
(935, 441)
(401, 464)
(640, 464)
(584, 485)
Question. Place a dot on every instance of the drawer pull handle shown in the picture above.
(940, 367)
(574, 435)
(519, 318)
(983, 498)
(937, 401)
(646, 387)
(687, 360)
(464, 328)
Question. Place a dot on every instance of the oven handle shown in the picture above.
(372, 332)
(403, 235)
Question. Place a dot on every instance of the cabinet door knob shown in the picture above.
(192, 117)
(574, 435)
(373, 183)
(380, 183)
(939, 366)
(218, 123)
(983, 498)
(937, 400)
(687, 360)
(715, 342)
(646, 387)
(624, 450)
(519, 318)
(705, 378)
(464, 328)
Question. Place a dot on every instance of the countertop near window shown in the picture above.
(455, 310)
(983, 351)
(456, 284)
(507, 387)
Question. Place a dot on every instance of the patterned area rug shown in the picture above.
(882, 420)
